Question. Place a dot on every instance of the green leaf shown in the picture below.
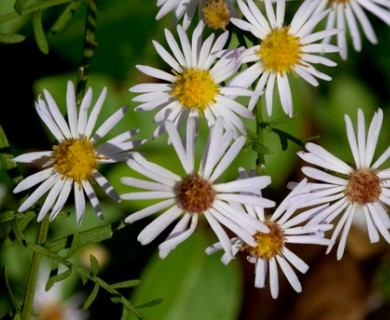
(11, 38)
(39, 33)
(58, 277)
(192, 285)
(94, 264)
(93, 235)
(7, 216)
(64, 18)
(19, 5)
(126, 284)
(91, 298)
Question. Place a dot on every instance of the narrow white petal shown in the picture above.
(39, 192)
(79, 202)
(33, 180)
(71, 109)
(95, 113)
(83, 113)
(178, 145)
(146, 212)
(261, 273)
(220, 233)
(289, 273)
(93, 198)
(158, 225)
(64, 194)
(56, 114)
(109, 124)
(273, 277)
(227, 159)
(106, 186)
(295, 260)
(51, 198)
(176, 237)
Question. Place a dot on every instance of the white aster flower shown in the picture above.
(53, 304)
(350, 15)
(196, 192)
(283, 49)
(194, 88)
(362, 189)
(270, 251)
(74, 161)
(217, 13)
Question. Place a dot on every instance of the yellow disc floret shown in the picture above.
(216, 14)
(75, 159)
(268, 244)
(195, 88)
(280, 51)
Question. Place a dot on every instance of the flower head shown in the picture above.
(270, 251)
(362, 189)
(74, 161)
(350, 15)
(283, 49)
(196, 193)
(194, 88)
(217, 13)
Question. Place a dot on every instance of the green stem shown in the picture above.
(260, 160)
(36, 260)
(90, 46)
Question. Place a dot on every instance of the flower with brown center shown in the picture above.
(362, 190)
(196, 193)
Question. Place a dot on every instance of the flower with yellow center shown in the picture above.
(194, 87)
(354, 193)
(73, 163)
(349, 16)
(285, 226)
(196, 194)
(216, 14)
(285, 48)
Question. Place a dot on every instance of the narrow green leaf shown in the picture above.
(91, 298)
(11, 38)
(58, 277)
(152, 303)
(93, 235)
(74, 246)
(126, 284)
(19, 5)
(14, 304)
(7, 216)
(94, 265)
(65, 17)
(39, 33)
